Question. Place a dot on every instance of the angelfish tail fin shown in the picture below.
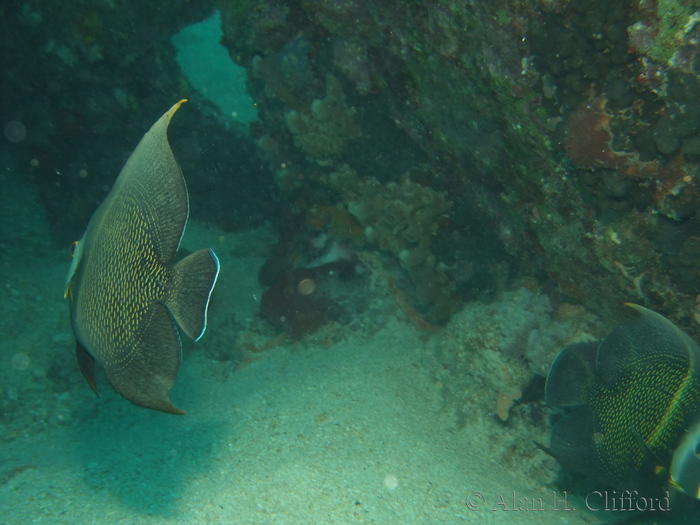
(187, 299)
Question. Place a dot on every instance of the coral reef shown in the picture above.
(286, 74)
(299, 308)
(665, 29)
(324, 130)
(312, 277)
(565, 141)
(521, 328)
(484, 359)
(402, 218)
(622, 84)
(570, 151)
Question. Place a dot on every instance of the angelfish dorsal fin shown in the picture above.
(151, 181)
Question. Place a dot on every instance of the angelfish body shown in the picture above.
(633, 396)
(124, 290)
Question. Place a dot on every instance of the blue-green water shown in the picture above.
(392, 410)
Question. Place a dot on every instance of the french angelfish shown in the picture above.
(123, 288)
(633, 396)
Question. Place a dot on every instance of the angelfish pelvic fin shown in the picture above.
(87, 366)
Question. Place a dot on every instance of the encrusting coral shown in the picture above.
(401, 218)
(323, 131)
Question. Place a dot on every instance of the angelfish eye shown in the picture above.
(73, 247)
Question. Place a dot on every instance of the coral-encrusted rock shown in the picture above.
(588, 136)
(402, 218)
(324, 130)
(480, 89)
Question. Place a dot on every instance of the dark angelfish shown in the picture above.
(123, 287)
(633, 398)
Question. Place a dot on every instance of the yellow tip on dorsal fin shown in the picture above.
(176, 106)
(641, 309)
(164, 121)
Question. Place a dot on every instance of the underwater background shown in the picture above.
(415, 205)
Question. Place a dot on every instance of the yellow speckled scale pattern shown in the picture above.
(647, 405)
(113, 308)
(634, 396)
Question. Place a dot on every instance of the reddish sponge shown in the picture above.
(589, 143)
(300, 310)
(588, 136)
